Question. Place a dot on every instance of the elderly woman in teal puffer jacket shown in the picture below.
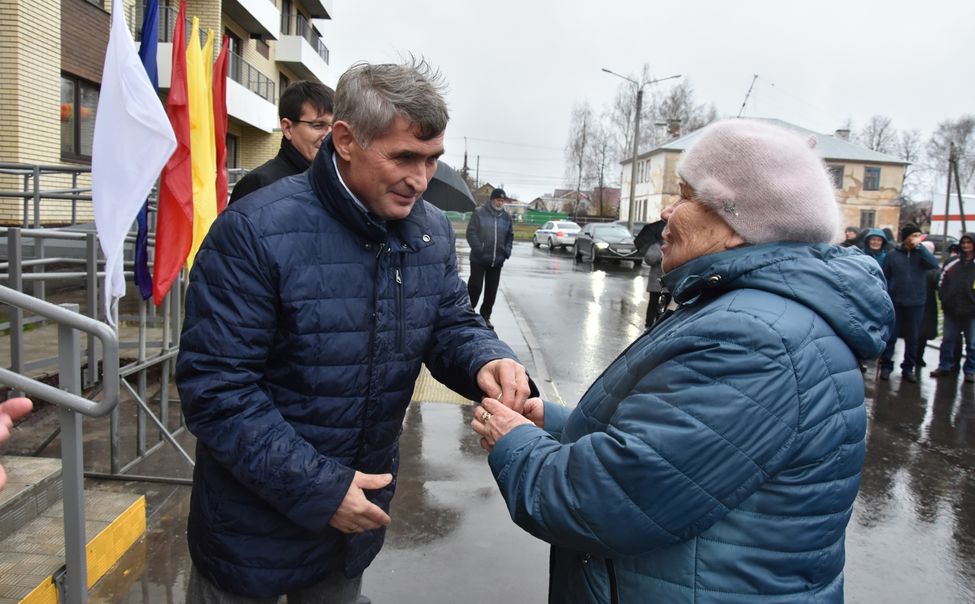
(717, 459)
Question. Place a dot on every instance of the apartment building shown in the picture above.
(51, 56)
(868, 184)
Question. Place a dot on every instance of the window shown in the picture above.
(871, 179)
(233, 55)
(283, 83)
(286, 17)
(232, 161)
(868, 219)
(836, 172)
(79, 99)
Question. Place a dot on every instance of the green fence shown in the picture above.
(539, 217)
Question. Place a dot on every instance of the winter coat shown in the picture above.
(307, 320)
(717, 459)
(905, 272)
(881, 255)
(288, 162)
(956, 288)
(490, 234)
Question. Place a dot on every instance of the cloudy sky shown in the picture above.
(516, 68)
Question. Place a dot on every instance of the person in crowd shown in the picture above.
(305, 110)
(905, 269)
(851, 237)
(929, 318)
(658, 296)
(11, 410)
(718, 458)
(490, 234)
(876, 246)
(957, 293)
(311, 306)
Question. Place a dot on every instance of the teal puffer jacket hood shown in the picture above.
(717, 459)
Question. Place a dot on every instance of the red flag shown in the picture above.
(174, 222)
(220, 121)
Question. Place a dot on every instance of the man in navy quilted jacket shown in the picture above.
(311, 306)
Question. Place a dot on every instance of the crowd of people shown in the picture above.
(924, 290)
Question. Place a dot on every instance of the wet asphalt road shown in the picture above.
(911, 539)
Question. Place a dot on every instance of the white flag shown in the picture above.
(132, 142)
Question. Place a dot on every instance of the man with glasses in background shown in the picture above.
(305, 110)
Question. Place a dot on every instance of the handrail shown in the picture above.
(74, 320)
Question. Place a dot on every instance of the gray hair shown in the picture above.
(369, 97)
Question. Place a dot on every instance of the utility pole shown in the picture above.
(477, 173)
(944, 240)
(636, 137)
(747, 94)
(582, 153)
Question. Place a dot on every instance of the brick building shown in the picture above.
(51, 56)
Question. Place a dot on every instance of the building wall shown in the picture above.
(885, 201)
(30, 66)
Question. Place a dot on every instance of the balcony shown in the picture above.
(251, 95)
(318, 9)
(305, 53)
(256, 16)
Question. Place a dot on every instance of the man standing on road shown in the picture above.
(311, 306)
(905, 269)
(490, 234)
(305, 110)
(957, 292)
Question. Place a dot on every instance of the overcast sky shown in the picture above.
(516, 68)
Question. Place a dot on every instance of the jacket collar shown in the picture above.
(409, 234)
(294, 157)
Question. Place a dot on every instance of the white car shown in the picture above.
(556, 233)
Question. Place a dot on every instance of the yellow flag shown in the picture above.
(208, 65)
(202, 155)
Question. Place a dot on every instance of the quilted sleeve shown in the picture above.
(231, 314)
(702, 419)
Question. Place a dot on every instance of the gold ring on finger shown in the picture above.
(485, 415)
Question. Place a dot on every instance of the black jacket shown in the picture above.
(956, 288)
(490, 234)
(287, 162)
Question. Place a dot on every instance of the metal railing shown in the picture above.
(71, 406)
(32, 192)
(250, 77)
(307, 31)
(167, 23)
(137, 369)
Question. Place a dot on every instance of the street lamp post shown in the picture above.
(636, 137)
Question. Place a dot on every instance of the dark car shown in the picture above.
(637, 226)
(938, 240)
(597, 241)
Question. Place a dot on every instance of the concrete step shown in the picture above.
(32, 554)
(33, 485)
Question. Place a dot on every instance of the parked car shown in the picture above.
(556, 233)
(600, 241)
(938, 240)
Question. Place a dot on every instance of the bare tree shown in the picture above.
(577, 149)
(679, 104)
(878, 134)
(908, 148)
(599, 163)
(961, 132)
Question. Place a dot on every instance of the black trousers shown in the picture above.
(656, 306)
(486, 278)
